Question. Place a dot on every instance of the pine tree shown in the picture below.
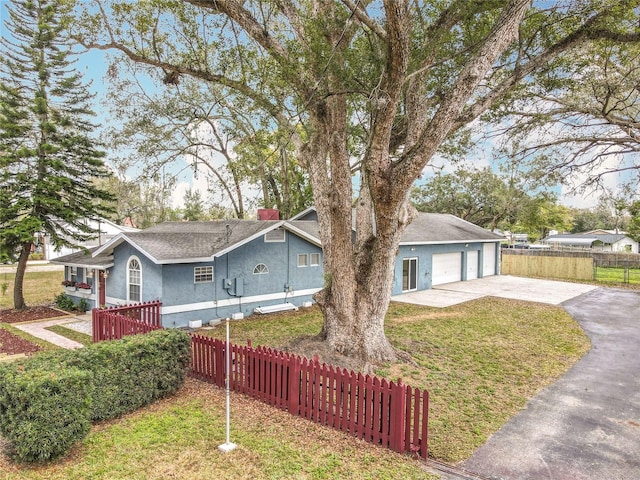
(48, 160)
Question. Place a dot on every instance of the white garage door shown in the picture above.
(489, 259)
(446, 268)
(472, 265)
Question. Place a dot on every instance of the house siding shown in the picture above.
(424, 254)
(236, 289)
(184, 300)
(151, 275)
(82, 276)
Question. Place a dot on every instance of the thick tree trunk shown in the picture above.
(18, 295)
(354, 309)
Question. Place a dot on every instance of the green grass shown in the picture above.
(616, 275)
(480, 361)
(38, 288)
(179, 437)
(71, 334)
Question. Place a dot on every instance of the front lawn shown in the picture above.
(38, 287)
(480, 361)
(178, 438)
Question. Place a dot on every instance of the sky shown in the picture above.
(93, 65)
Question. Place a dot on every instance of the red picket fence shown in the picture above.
(381, 412)
(115, 322)
(384, 413)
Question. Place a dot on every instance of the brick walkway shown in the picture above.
(39, 329)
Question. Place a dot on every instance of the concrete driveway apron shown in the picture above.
(586, 426)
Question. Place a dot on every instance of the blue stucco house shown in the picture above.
(204, 271)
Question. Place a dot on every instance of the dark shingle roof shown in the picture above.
(309, 227)
(178, 242)
(445, 228)
(85, 260)
(195, 240)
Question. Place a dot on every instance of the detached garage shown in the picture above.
(441, 248)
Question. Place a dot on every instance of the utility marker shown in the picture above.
(228, 446)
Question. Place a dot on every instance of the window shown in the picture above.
(315, 260)
(260, 269)
(203, 274)
(134, 280)
(88, 275)
(276, 235)
(74, 274)
(303, 260)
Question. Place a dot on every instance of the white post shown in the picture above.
(228, 446)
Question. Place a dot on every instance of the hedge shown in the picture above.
(101, 381)
(43, 412)
(135, 371)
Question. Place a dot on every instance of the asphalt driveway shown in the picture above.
(586, 426)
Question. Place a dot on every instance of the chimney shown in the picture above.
(268, 214)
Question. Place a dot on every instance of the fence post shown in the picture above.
(94, 325)
(398, 409)
(424, 447)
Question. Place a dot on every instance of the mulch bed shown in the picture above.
(11, 344)
(39, 312)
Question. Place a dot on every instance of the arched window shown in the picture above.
(260, 269)
(134, 280)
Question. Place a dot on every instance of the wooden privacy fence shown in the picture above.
(546, 265)
(115, 322)
(381, 412)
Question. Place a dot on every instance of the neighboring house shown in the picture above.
(517, 238)
(210, 270)
(106, 231)
(598, 241)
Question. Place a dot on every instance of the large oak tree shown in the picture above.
(379, 86)
(197, 125)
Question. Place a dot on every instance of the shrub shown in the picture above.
(47, 401)
(64, 302)
(131, 372)
(43, 412)
(83, 305)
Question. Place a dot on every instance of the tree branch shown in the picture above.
(585, 33)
